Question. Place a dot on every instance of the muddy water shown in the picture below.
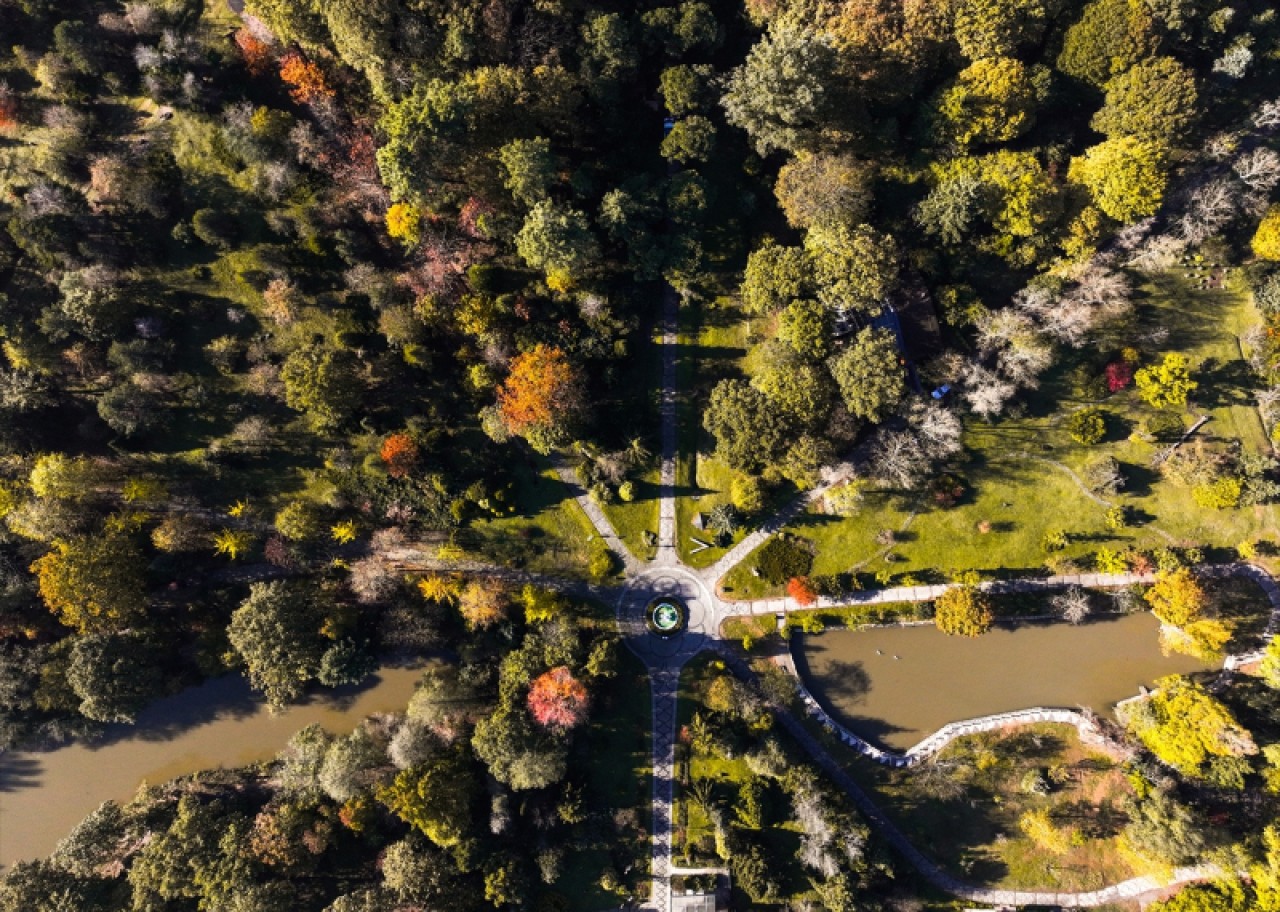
(219, 724)
(894, 686)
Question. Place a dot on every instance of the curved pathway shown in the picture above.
(666, 657)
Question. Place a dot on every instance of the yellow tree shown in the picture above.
(1266, 242)
(483, 603)
(94, 583)
(963, 611)
(1185, 726)
(1167, 383)
(1176, 598)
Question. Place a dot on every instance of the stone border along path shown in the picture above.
(665, 658)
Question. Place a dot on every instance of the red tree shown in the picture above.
(256, 53)
(800, 589)
(400, 454)
(1119, 375)
(558, 700)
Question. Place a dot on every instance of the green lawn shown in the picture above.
(615, 756)
(632, 520)
(1018, 471)
(713, 343)
(548, 533)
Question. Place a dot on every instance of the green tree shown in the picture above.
(1167, 383)
(530, 169)
(780, 96)
(1219, 897)
(321, 381)
(692, 139)
(869, 374)
(1110, 37)
(559, 242)
(687, 88)
(805, 325)
(997, 28)
(1126, 177)
(799, 389)
(1155, 101)
(114, 675)
(774, 277)
(517, 752)
(1164, 830)
(1270, 667)
(749, 430)
(436, 799)
(963, 611)
(276, 630)
(854, 268)
(992, 100)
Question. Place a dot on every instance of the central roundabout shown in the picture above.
(666, 612)
(667, 616)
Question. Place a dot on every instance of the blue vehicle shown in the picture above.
(667, 123)
(941, 391)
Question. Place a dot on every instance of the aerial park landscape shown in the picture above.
(571, 456)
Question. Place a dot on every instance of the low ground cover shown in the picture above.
(1025, 477)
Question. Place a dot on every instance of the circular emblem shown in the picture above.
(667, 616)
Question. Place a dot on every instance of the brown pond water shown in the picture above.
(936, 679)
(218, 724)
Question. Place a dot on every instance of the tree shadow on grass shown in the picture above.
(1223, 385)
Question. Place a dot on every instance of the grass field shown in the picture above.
(549, 533)
(1022, 472)
(616, 757)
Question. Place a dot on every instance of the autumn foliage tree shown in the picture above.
(1177, 598)
(93, 584)
(483, 603)
(306, 79)
(963, 611)
(800, 589)
(400, 454)
(541, 394)
(256, 52)
(558, 700)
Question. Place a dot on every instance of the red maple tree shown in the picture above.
(558, 700)
(800, 589)
(400, 454)
(1119, 375)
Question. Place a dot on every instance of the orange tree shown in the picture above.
(400, 454)
(306, 78)
(541, 394)
(800, 589)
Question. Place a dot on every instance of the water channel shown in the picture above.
(897, 685)
(218, 724)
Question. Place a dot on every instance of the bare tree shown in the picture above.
(1073, 604)
(1267, 117)
(1260, 169)
(986, 391)
(1157, 253)
(1210, 207)
(937, 428)
(896, 457)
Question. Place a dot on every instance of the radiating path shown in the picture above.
(667, 552)
(599, 521)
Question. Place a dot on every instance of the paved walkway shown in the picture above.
(667, 532)
(598, 520)
(665, 657)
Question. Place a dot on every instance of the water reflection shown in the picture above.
(895, 686)
(221, 723)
